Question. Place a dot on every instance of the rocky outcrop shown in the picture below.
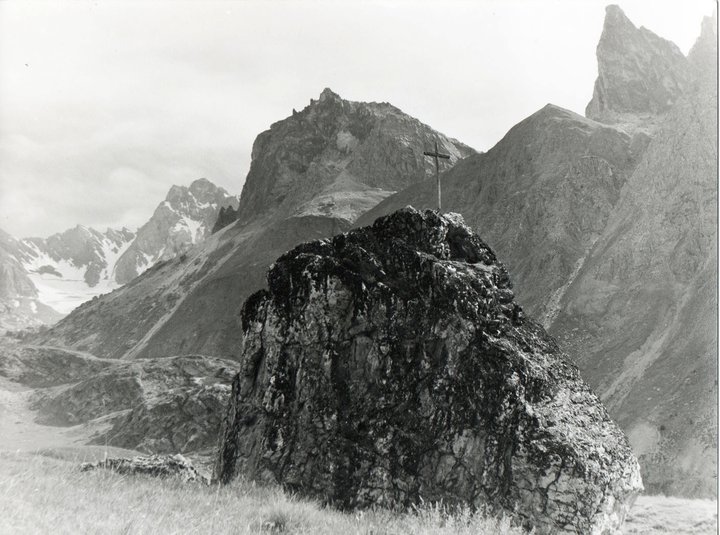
(640, 75)
(185, 217)
(226, 216)
(175, 466)
(339, 157)
(163, 405)
(391, 365)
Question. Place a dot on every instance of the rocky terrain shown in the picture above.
(166, 405)
(609, 232)
(311, 175)
(390, 365)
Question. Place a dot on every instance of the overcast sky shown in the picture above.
(104, 105)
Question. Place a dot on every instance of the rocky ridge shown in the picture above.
(80, 253)
(391, 365)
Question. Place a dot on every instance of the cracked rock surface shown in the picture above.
(391, 365)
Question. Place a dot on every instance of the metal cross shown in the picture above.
(437, 155)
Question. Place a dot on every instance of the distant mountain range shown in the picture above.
(54, 275)
(607, 224)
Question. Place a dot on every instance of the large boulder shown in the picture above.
(391, 365)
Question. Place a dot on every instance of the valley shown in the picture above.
(338, 356)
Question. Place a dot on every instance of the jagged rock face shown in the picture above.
(79, 253)
(639, 73)
(391, 364)
(189, 304)
(226, 216)
(339, 157)
(185, 217)
(19, 304)
(14, 281)
(703, 55)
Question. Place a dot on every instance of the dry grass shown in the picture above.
(41, 494)
(676, 516)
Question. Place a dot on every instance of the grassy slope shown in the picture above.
(39, 494)
(47, 494)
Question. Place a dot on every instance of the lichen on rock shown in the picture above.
(155, 465)
(390, 365)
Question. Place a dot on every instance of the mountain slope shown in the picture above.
(541, 197)
(646, 299)
(19, 304)
(311, 174)
(618, 258)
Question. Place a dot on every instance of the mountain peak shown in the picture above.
(201, 182)
(614, 16)
(704, 52)
(328, 94)
(337, 157)
(639, 73)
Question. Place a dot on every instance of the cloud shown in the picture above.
(105, 105)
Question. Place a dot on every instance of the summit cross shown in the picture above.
(437, 155)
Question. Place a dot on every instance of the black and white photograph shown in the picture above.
(359, 267)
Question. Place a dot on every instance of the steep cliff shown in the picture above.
(640, 75)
